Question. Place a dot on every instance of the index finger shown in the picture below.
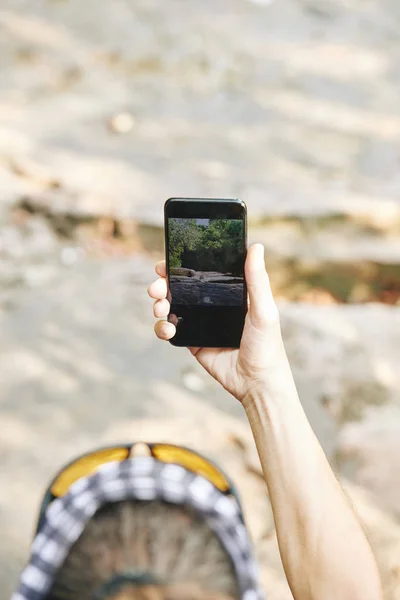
(161, 269)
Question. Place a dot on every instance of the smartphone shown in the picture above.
(206, 244)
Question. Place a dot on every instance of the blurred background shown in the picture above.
(107, 109)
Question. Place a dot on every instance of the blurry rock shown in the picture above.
(192, 381)
(10, 275)
(262, 2)
(370, 451)
(348, 353)
(383, 532)
(318, 296)
(121, 123)
(128, 228)
(329, 240)
(106, 227)
(32, 239)
(30, 169)
(379, 159)
(69, 255)
(360, 293)
(39, 275)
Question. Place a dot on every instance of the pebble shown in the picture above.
(121, 123)
(192, 381)
(262, 2)
(69, 255)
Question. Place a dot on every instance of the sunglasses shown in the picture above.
(89, 463)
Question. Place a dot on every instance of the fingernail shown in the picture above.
(165, 329)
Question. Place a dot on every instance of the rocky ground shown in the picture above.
(106, 109)
(190, 291)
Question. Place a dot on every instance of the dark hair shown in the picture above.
(173, 543)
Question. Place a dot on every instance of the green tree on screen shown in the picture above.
(215, 247)
(184, 234)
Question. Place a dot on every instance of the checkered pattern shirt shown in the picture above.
(141, 478)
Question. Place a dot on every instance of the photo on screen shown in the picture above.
(206, 261)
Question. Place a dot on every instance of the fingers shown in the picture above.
(262, 308)
(161, 308)
(164, 330)
(161, 269)
(158, 289)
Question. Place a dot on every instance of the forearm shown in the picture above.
(324, 550)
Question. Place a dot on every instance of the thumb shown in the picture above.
(262, 305)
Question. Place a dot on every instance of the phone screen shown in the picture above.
(206, 247)
(206, 261)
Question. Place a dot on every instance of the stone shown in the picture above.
(182, 272)
(349, 352)
(121, 123)
(369, 450)
(191, 292)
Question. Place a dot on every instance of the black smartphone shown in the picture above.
(206, 243)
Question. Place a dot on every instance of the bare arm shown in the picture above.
(324, 551)
(323, 548)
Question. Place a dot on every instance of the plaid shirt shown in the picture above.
(142, 478)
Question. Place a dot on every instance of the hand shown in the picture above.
(261, 352)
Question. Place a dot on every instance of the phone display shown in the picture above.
(206, 248)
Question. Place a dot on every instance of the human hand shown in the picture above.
(261, 354)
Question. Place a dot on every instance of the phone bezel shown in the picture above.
(215, 208)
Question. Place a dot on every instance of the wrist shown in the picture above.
(277, 391)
